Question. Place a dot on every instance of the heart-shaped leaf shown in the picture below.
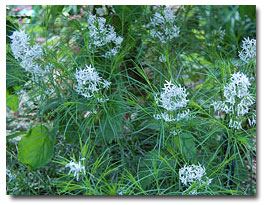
(36, 148)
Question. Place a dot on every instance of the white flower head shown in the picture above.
(106, 84)
(252, 119)
(34, 52)
(193, 192)
(174, 132)
(238, 99)
(165, 116)
(173, 97)
(28, 55)
(10, 175)
(19, 44)
(100, 11)
(102, 35)
(162, 25)
(120, 193)
(191, 173)
(102, 100)
(89, 82)
(236, 124)
(248, 51)
(162, 58)
(75, 168)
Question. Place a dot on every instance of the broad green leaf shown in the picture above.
(36, 148)
(12, 101)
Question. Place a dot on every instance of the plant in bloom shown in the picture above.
(163, 25)
(28, 55)
(85, 90)
(75, 168)
(252, 119)
(193, 173)
(101, 11)
(248, 51)
(238, 99)
(19, 44)
(89, 82)
(102, 35)
(162, 58)
(173, 99)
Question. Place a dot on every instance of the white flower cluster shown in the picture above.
(162, 58)
(10, 175)
(75, 168)
(174, 132)
(173, 98)
(28, 55)
(120, 192)
(101, 11)
(252, 119)
(237, 99)
(162, 25)
(89, 82)
(19, 44)
(102, 35)
(248, 51)
(193, 173)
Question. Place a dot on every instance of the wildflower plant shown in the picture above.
(151, 98)
(103, 35)
(194, 178)
(163, 26)
(76, 169)
(19, 44)
(238, 100)
(248, 51)
(89, 82)
(28, 55)
(173, 99)
(193, 173)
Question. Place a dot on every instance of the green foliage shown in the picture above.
(36, 148)
(122, 147)
(12, 101)
(111, 123)
(185, 144)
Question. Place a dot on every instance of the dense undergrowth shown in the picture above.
(131, 100)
